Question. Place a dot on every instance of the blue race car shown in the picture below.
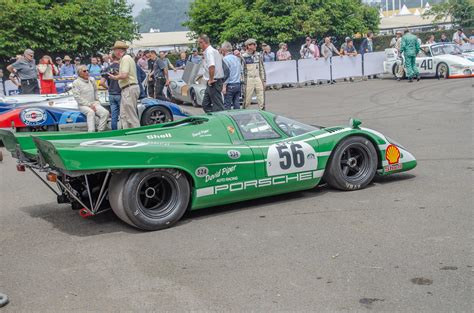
(29, 113)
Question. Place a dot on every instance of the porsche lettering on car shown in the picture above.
(442, 60)
(151, 176)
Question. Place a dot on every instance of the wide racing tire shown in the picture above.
(155, 199)
(352, 165)
(156, 115)
(116, 184)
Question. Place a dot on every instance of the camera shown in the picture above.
(112, 71)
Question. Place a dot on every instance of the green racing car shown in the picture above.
(151, 176)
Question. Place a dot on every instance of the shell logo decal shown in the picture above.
(392, 154)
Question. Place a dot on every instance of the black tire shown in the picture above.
(156, 115)
(155, 199)
(193, 96)
(442, 70)
(117, 182)
(352, 165)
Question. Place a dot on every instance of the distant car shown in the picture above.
(27, 113)
(191, 87)
(442, 60)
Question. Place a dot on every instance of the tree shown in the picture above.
(274, 21)
(164, 15)
(79, 27)
(461, 12)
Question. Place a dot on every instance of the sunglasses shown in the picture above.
(85, 71)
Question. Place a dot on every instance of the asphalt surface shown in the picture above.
(404, 244)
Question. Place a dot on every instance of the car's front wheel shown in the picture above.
(352, 165)
(152, 199)
(156, 115)
(442, 70)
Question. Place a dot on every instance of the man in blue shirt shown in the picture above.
(94, 68)
(68, 69)
(232, 74)
(195, 57)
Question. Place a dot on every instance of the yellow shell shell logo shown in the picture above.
(392, 154)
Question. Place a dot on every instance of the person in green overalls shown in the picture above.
(410, 47)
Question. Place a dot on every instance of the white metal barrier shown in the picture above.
(373, 63)
(314, 69)
(347, 66)
(282, 72)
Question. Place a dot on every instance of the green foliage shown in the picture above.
(274, 21)
(460, 11)
(164, 15)
(77, 27)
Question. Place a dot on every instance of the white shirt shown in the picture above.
(212, 57)
(457, 38)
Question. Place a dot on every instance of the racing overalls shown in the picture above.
(410, 47)
(254, 77)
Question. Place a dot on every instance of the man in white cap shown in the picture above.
(128, 82)
(254, 74)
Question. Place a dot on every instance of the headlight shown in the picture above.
(393, 142)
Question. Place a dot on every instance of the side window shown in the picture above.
(253, 126)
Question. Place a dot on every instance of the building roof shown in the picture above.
(160, 39)
(403, 21)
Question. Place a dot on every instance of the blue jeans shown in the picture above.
(114, 101)
(232, 96)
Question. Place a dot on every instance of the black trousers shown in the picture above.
(29, 87)
(159, 85)
(213, 100)
(151, 88)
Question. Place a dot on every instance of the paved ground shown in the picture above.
(320, 250)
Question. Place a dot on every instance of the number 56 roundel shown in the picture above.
(290, 157)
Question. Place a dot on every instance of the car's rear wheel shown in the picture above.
(152, 199)
(352, 165)
(442, 70)
(156, 115)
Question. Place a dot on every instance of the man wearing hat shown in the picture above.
(68, 69)
(128, 82)
(410, 46)
(254, 74)
(59, 63)
(195, 57)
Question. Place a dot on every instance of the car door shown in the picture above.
(284, 162)
(425, 63)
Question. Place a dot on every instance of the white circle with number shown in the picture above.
(291, 157)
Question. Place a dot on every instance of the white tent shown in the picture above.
(427, 8)
(404, 11)
(417, 12)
